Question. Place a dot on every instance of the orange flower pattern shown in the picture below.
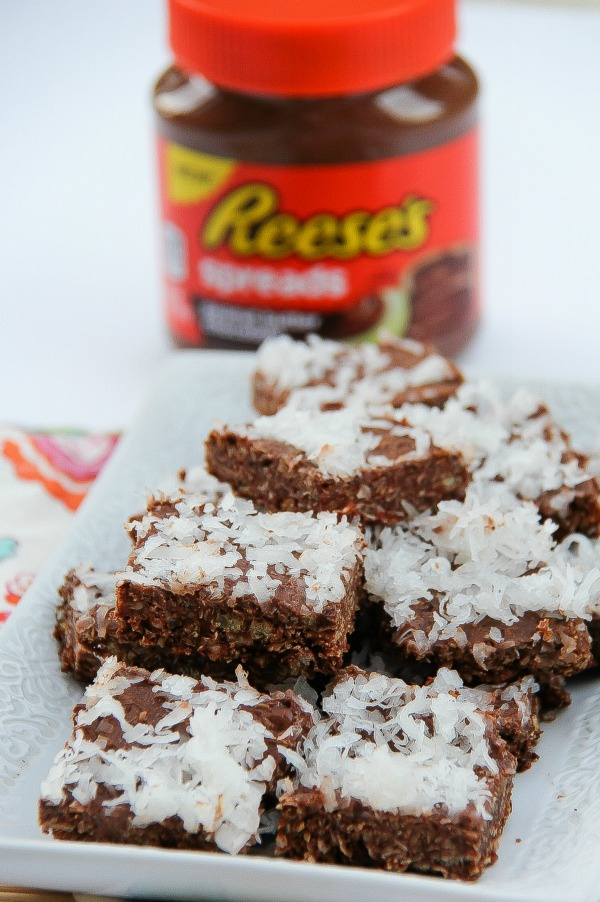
(44, 477)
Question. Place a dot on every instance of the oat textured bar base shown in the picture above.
(276, 476)
(451, 846)
(86, 638)
(273, 641)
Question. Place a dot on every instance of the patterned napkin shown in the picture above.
(44, 477)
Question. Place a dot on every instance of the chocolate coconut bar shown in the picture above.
(479, 586)
(393, 372)
(517, 442)
(357, 459)
(88, 633)
(515, 705)
(399, 777)
(276, 592)
(159, 759)
(322, 452)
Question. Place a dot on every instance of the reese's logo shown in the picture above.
(248, 221)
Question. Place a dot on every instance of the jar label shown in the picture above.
(346, 250)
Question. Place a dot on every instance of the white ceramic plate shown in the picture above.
(550, 849)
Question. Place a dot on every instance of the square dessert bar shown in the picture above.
(512, 441)
(365, 461)
(394, 371)
(481, 586)
(517, 441)
(86, 627)
(275, 592)
(158, 759)
(399, 777)
(87, 632)
(319, 453)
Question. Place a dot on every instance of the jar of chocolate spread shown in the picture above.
(318, 172)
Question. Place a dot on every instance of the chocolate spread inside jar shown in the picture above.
(307, 183)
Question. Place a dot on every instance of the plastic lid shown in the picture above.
(311, 47)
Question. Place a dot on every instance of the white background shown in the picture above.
(80, 318)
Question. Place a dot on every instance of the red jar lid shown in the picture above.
(311, 47)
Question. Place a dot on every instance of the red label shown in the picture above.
(345, 250)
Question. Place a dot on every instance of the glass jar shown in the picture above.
(318, 172)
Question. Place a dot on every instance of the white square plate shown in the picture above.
(550, 849)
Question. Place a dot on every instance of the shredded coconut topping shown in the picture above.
(486, 556)
(397, 747)
(515, 441)
(292, 364)
(206, 761)
(340, 442)
(91, 601)
(383, 387)
(209, 545)
(195, 481)
(366, 371)
(493, 698)
(92, 589)
(583, 555)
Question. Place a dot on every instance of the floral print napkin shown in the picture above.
(44, 477)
